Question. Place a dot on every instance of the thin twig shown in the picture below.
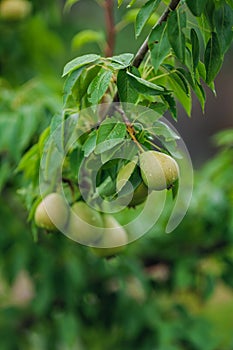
(110, 27)
(129, 126)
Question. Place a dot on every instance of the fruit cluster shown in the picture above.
(155, 171)
(82, 224)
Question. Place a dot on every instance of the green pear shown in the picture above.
(159, 171)
(85, 224)
(13, 10)
(113, 240)
(52, 213)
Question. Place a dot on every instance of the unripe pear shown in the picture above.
(113, 240)
(85, 224)
(52, 213)
(14, 9)
(159, 171)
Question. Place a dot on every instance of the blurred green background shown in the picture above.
(165, 292)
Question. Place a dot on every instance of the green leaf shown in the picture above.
(81, 87)
(213, 58)
(69, 84)
(195, 48)
(209, 13)
(122, 61)
(125, 90)
(144, 14)
(195, 85)
(172, 105)
(125, 173)
(90, 144)
(159, 128)
(223, 20)
(147, 117)
(109, 135)
(159, 45)
(177, 86)
(196, 6)
(145, 87)
(175, 188)
(176, 24)
(107, 187)
(119, 2)
(99, 85)
(87, 36)
(57, 131)
(79, 62)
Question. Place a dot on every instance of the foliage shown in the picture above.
(80, 301)
(55, 293)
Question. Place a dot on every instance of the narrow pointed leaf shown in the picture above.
(144, 14)
(213, 58)
(159, 45)
(195, 48)
(223, 20)
(196, 6)
(176, 24)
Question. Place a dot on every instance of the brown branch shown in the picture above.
(140, 55)
(110, 27)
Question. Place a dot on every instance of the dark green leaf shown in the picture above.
(125, 90)
(195, 85)
(181, 90)
(223, 20)
(213, 58)
(195, 48)
(79, 62)
(159, 45)
(172, 105)
(145, 87)
(196, 6)
(176, 24)
(175, 188)
(99, 85)
(144, 14)
(209, 13)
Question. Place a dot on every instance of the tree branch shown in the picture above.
(140, 55)
(110, 27)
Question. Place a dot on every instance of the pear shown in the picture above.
(13, 10)
(85, 224)
(52, 213)
(113, 240)
(159, 171)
